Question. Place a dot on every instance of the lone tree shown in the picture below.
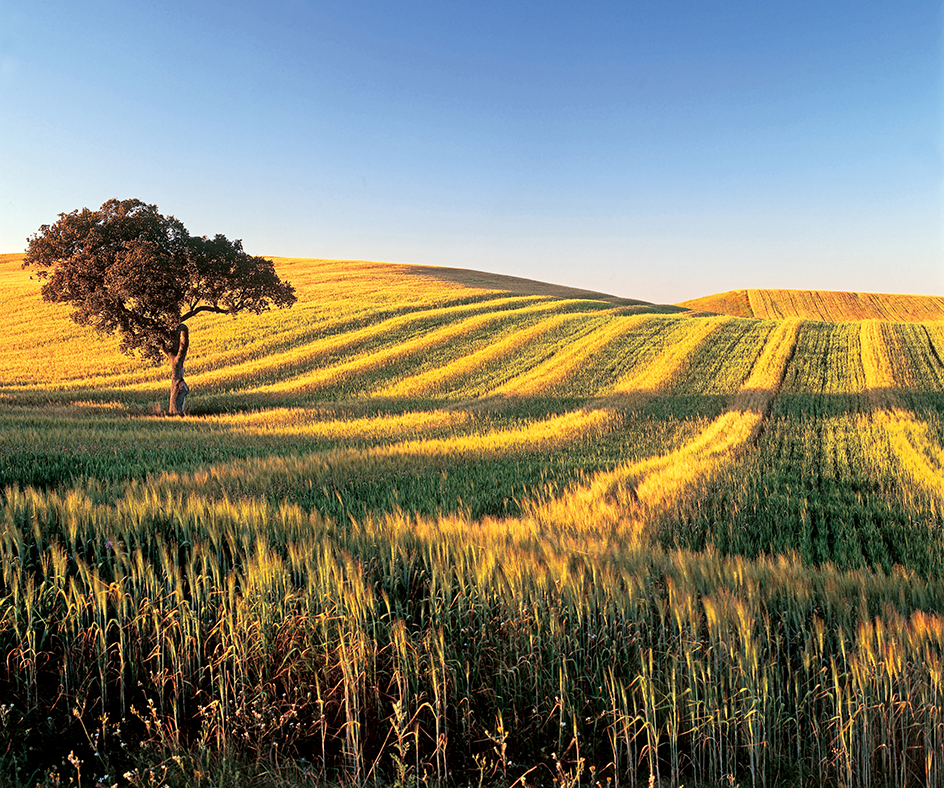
(127, 269)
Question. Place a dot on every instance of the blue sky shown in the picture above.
(657, 150)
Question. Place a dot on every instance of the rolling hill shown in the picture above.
(821, 305)
(436, 523)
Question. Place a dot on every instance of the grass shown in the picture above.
(821, 305)
(438, 527)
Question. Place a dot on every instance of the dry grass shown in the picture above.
(821, 305)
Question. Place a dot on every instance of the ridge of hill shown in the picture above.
(825, 305)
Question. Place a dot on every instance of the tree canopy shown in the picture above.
(128, 270)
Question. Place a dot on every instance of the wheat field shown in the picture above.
(438, 527)
(822, 305)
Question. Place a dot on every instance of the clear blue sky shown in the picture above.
(651, 149)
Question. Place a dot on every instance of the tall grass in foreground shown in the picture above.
(400, 648)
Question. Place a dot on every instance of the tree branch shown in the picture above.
(205, 308)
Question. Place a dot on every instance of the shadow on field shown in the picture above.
(119, 403)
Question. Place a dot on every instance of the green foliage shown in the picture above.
(127, 269)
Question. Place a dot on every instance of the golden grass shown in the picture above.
(918, 454)
(342, 305)
(733, 302)
(212, 587)
(272, 473)
(832, 306)
(311, 422)
(666, 367)
(917, 451)
(435, 380)
(551, 375)
(661, 480)
(281, 366)
(841, 306)
(641, 489)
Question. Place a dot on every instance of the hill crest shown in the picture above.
(825, 305)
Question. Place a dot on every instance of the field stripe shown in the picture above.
(457, 371)
(662, 370)
(392, 351)
(761, 304)
(301, 362)
(916, 451)
(655, 484)
(307, 422)
(835, 306)
(258, 475)
(552, 374)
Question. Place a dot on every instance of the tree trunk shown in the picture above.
(178, 386)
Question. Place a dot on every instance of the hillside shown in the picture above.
(344, 307)
(821, 305)
(432, 523)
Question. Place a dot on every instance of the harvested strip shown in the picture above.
(535, 436)
(920, 456)
(827, 369)
(293, 366)
(733, 302)
(836, 306)
(304, 422)
(261, 475)
(723, 362)
(497, 381)
(876, 365)
(767, 375)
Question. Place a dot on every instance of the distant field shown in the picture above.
(433, 523)
(821, 305)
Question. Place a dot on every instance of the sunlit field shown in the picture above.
(437, 527)
(822, 305)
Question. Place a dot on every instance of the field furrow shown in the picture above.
(720, 366)
(463, 358)
(840, 306)
(309, 363)
(384, 344)
(825, 478)
(434, 526)
(382, 459)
